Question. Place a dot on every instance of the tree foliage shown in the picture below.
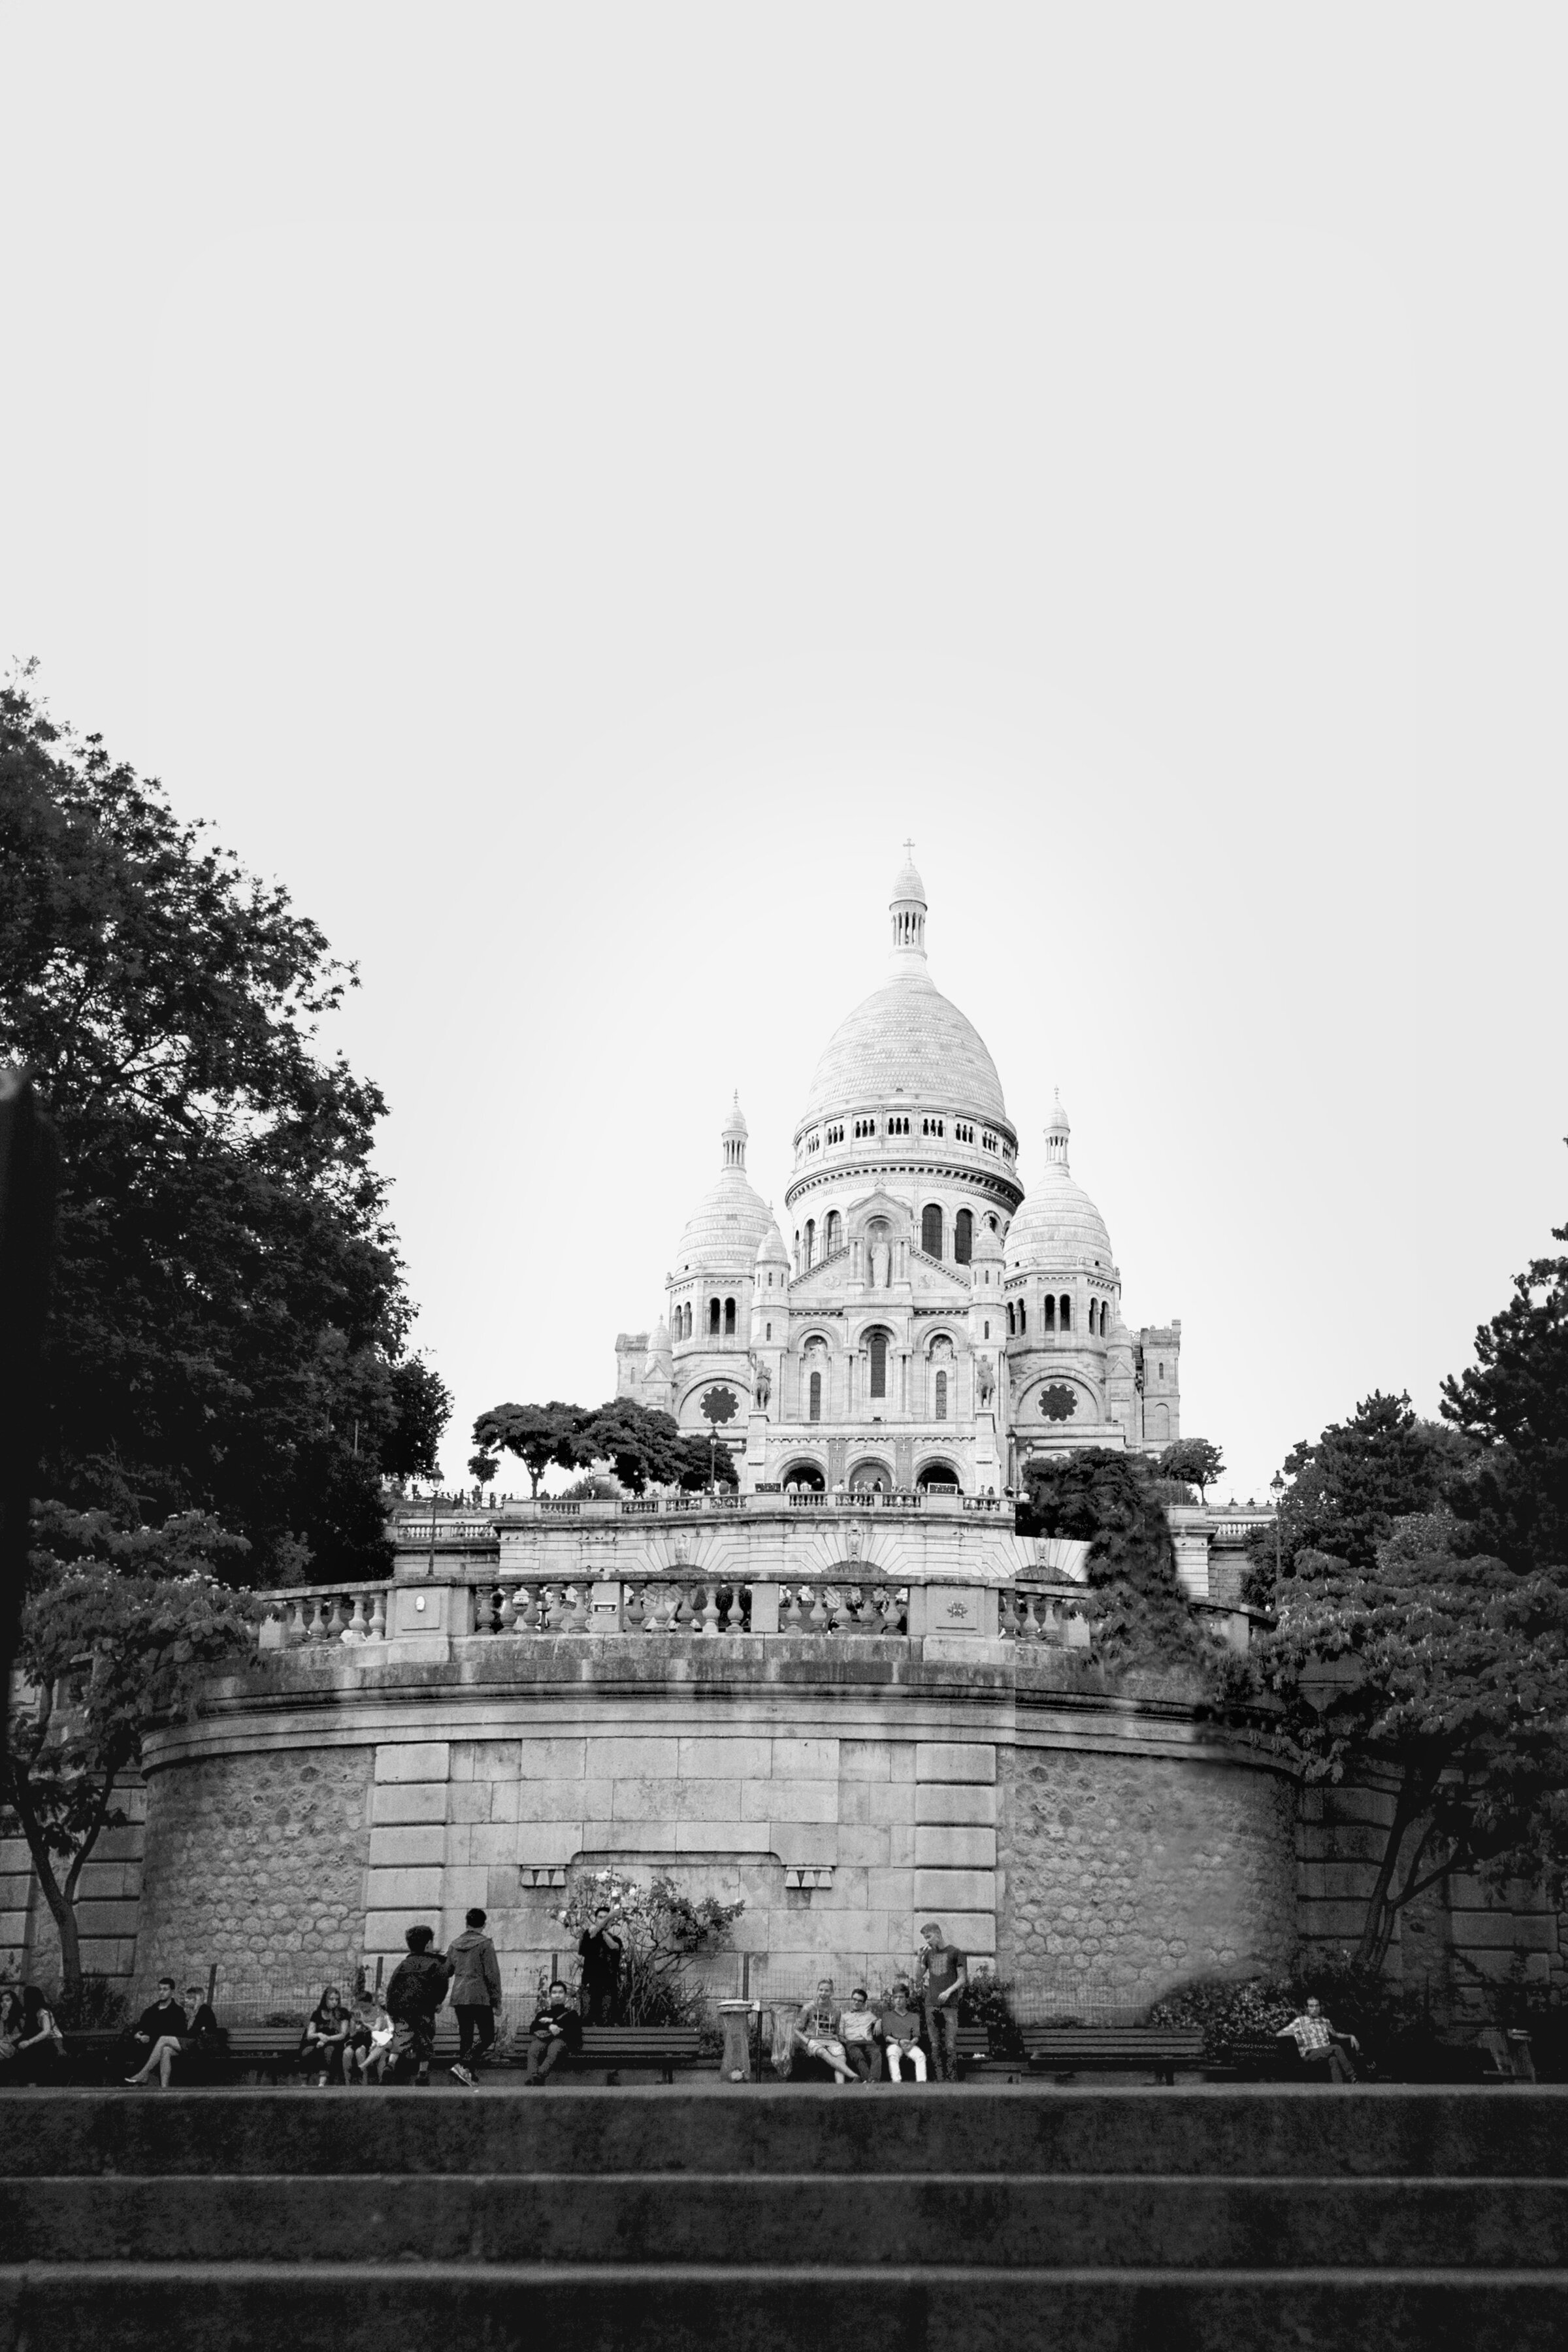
(661, 1927)
(1193, 1462)
(643, 1448)
(1514, 1404)
(1449, 1668)
(117, 1630)
(1110, 1501)
(1346, 1490)
(539, 1434)
(228, 1314)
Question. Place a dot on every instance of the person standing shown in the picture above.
(415, 1992)
(475, 1996)
(601, 1948)
(944, 1972)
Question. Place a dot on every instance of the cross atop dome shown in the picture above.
(908, 907)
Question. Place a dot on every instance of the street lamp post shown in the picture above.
(1277, 1488)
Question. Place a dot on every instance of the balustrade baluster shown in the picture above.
(734, 1612)
(582, 1608)
(710, 1609)
(820, 1621)
(632, 1606)
(506, 1610)
(791, 1616)
(1031, 1629)
(892, 1610)
(316, 1623)
(378, 1617)
(354, 1630)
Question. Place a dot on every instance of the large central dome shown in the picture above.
(906, 1038)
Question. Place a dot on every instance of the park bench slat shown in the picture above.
(1139, 2046)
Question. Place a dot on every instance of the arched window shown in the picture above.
(713, 1316)
(1010, 1323)
(963, 1236)
(931, 1230)
(942, 1396)
(813, 1409)
(729, 1319)
(833, 1234)
(878, 1363)
(1066, 1312)
(1051, 1312)
(1023, 1317)
(810, 1241)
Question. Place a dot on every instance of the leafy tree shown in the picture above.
(1347, 1490)
(421, 1406)
(661, 1928)
(647, 1448)
(483, 1468)
(1453, 1671)
(1110, 1502)
(1193, 1462)
(539, 1434)
(118, 1631)
(229, 1312)
(1513, 1403)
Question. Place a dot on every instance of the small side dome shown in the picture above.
(771, 1251)
(987, 1243)
(1058, 1226)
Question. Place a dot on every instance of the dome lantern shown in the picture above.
(1057, 1130)
(734, 1135)
(908, 908)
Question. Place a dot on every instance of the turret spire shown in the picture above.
(1058, 1130)
(908, 907)
(733, 1136)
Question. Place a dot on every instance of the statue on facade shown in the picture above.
(984, 1382)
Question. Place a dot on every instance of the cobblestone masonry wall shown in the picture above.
(1141, 1871)
(258, 1862)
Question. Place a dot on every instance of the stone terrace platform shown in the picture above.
(1420, 2221)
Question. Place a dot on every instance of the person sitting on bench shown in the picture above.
(325, 2039)
(860, 2030)
(817, 2033)
(556, 2034)
(161, 2028)
(900, 2027)
(1319, 2044)
(370, 2043)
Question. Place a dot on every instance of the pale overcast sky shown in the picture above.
(568, 490)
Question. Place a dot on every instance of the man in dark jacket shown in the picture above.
(600, 1949)
(476, 1995)
(158, 2033)
(555, 2034)
(415, 1992)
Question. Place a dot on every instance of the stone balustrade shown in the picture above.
(704, 1606)
(315, 1614)
(412, 1532)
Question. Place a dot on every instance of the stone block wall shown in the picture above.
(255, 1862)
(1143, 1870)
(838, 1845)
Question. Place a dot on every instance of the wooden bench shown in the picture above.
(1133, 2049)
(638, 2049)
(974, 2050)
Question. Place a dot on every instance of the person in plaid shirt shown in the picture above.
(1318, 2043)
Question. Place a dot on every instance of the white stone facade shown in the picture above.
(920, 1321)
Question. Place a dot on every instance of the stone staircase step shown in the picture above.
(1262, 2130)
(792, 2221)
(364, 2308)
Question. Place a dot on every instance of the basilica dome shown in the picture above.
(1058, 1225)
(906, 1039)
(731, 1221)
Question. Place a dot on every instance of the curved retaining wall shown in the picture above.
(323, 1803)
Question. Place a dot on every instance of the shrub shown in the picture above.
(662, 1927)
(95, 2005)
